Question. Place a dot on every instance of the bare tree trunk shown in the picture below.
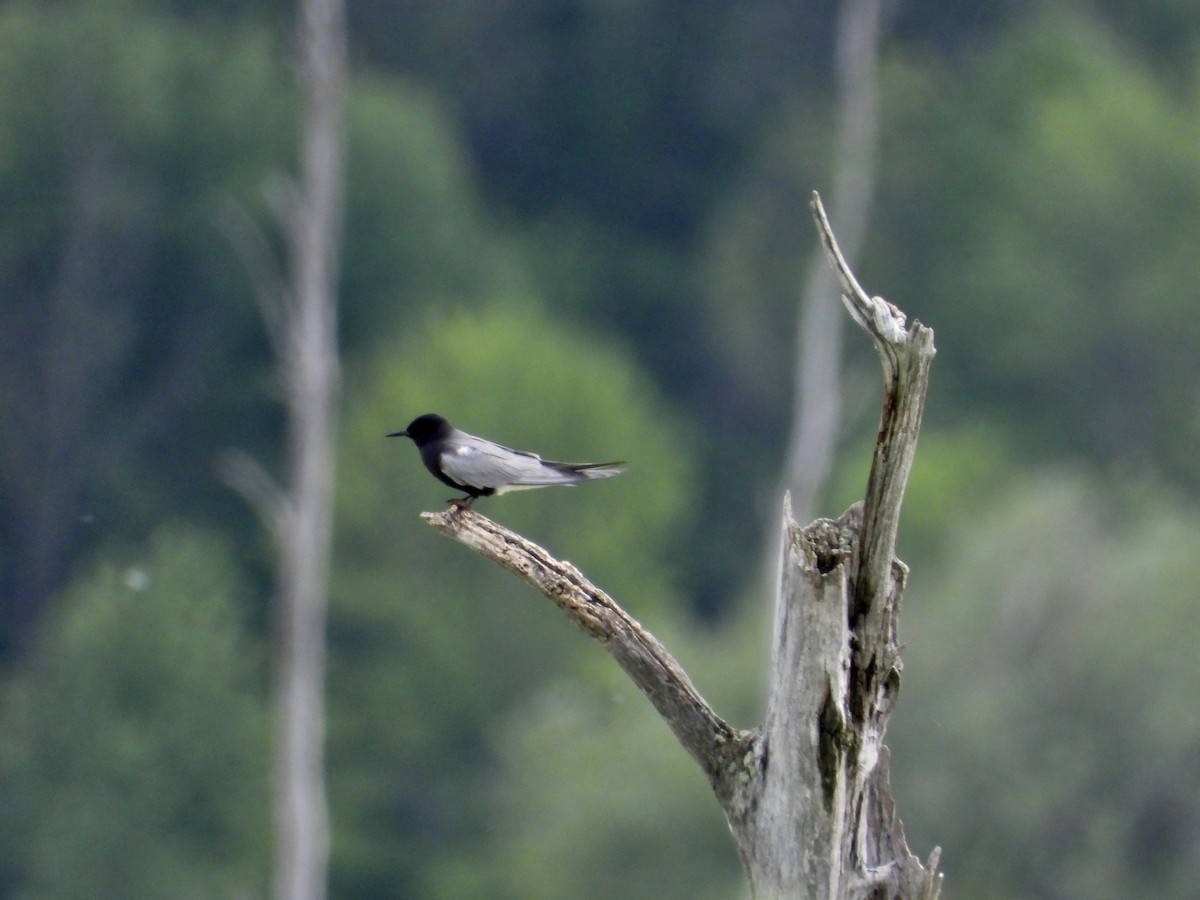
(819, 334)
(311, 378)
(301, 319)
(806, 794)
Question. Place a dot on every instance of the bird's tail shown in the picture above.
(550, 472)
(596, 470)
(573, 472)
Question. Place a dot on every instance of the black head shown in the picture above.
(424, 429)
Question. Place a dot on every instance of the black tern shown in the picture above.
(482, 468)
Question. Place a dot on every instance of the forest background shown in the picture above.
(581, 227)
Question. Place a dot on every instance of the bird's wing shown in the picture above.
(477, 463)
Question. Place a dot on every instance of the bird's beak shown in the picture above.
(398, 434)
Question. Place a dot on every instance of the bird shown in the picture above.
(482, 468)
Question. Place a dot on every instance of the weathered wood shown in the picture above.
(818, 820)
(807, 795)
(905, 355)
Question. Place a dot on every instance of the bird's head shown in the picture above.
(424, 429)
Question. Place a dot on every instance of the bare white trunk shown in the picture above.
(300, 315)
(308, 338)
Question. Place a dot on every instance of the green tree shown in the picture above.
(417, 231)
(133, 743)
(591, 798)
(1047, 734)
(1039, 207)
(122, 129)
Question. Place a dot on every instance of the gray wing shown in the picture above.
(481, 464)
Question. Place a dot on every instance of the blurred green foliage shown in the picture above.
(126, 313)
(577, 765)
(416, 230)
(133, 742)
(1062, 183)
(580, 228)
(1046, 737)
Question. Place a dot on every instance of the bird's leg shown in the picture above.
(461, 502)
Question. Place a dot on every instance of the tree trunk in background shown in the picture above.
(819, 337)
(307, 344)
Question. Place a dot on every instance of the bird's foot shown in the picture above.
(461, 502)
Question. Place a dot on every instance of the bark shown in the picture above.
(807, 794)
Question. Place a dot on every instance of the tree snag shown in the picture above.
(300, 315)
(806, 794)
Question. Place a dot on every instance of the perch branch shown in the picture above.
(710, 740)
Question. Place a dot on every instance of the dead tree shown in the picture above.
(806, 794)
